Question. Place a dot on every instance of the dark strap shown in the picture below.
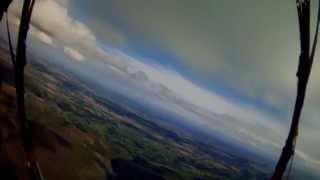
(303, 74)
(10, 42)
(4, 4)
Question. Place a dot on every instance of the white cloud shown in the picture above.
(43, 37)
(245, 124)
(52, 17)
(203, 98)
(53, 25)
(313, 161)
(74, 54)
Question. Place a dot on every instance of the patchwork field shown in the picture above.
(80, 135)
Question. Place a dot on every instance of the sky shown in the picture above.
(227, 66)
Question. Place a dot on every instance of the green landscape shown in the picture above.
(81, 135)
(159, 90)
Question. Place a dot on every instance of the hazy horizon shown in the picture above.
(228, 66)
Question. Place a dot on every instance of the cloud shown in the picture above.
(42, 36)
(249, 47)
(165, 88)
(197, 105)
(313, 161)
(238, 44)
(201, 97)
(53, 19)
(74, 54)
(235, 44)
(51, 22)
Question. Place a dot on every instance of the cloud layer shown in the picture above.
(236, 44)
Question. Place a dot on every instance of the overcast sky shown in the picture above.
(225, 65)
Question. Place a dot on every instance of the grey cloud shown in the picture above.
(240, 44)
(251, 46)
